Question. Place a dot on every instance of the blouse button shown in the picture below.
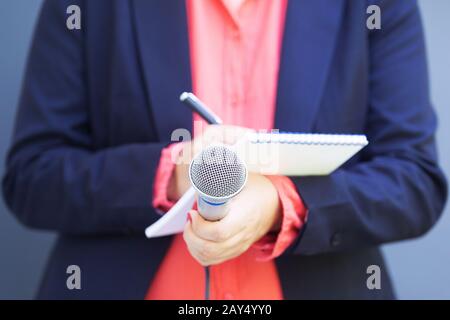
(336, 240)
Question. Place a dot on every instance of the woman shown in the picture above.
(90, 155)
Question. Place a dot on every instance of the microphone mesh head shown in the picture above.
(217, 171)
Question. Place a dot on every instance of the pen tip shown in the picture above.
(184, 96)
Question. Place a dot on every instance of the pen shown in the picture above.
(199, 107)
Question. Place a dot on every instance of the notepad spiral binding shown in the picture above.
(309, 138)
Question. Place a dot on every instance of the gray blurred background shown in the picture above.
(420, 268)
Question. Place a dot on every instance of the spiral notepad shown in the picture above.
(298, 154)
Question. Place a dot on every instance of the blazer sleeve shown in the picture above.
(55, 178)
(397, 190)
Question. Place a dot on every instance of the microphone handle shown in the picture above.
(211, 211)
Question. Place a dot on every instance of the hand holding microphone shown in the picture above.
(235, 208)
(250, 215)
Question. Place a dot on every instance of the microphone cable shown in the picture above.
(207, 283)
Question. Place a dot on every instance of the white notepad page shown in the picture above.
(173, 221)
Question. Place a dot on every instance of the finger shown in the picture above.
(209, 253)
(231, 134)
(216, 231)
(232, 252)
(226, 134)
(212, 134)
(205, 252)
(216, 238)
(232, 248)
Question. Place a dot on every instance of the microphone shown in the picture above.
(217, 175)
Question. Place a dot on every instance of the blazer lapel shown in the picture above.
(309, 41)
(162, 36)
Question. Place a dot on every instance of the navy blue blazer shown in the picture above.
(98, 105)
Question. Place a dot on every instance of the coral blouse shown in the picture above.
(235, 52)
